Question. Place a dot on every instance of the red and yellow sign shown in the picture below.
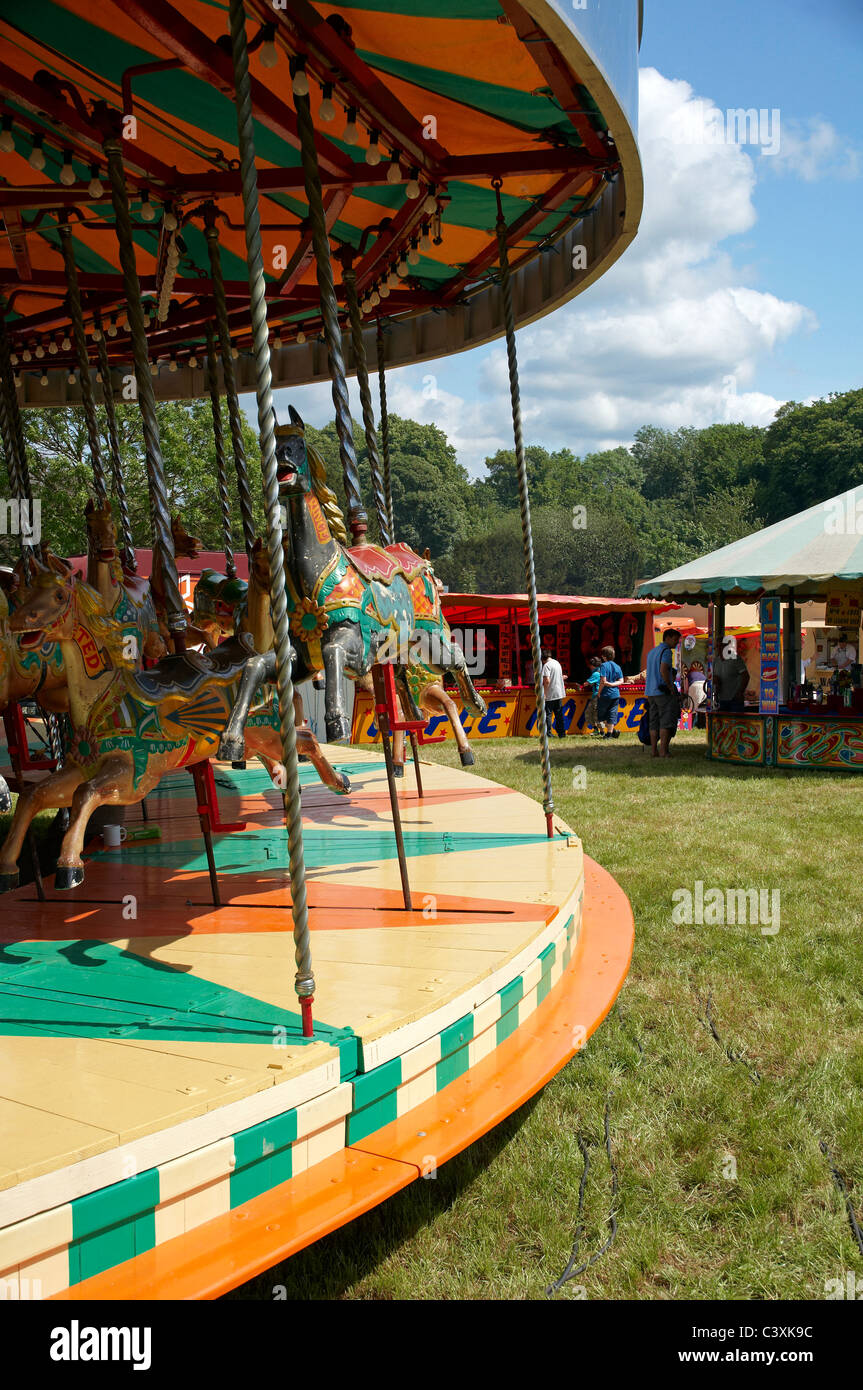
(510, 714)
(843, 610)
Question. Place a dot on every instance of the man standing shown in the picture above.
(555, 693)
(662, 702)
(730, 676)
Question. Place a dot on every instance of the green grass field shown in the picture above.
(716, 1121)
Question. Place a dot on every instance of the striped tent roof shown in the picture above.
(454, 92)
(818, 549)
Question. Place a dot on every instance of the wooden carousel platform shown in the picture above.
(167, 1131)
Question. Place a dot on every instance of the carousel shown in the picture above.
(268, 982)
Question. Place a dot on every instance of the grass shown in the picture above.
(724, 1190)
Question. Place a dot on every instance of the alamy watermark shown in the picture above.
(702, 123)
(719, 907)
(21, 517)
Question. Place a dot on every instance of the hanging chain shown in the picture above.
(350, 283)
(212, 375)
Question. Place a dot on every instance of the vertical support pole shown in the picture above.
(719, 635)
(383, 722)
(88, 399)
(235, 414)
(305, 980)
(524, 504)
(159, 512)
(359, 347)
(129, 560)
(357, 518)
(199, 778)
(212, 375)
(385, 426)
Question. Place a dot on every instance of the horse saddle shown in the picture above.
(384, 565)
(185, 671)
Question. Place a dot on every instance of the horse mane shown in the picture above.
(325, 495)
(94, 616)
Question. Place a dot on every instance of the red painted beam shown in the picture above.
(303, 257)
(14, 229)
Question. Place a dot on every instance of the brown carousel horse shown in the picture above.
(131, 727)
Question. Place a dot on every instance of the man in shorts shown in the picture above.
(662, 698)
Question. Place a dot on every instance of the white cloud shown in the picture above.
(813, 150)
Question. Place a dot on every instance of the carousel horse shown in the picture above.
(128, 598)
(31, 669)
(218, 605)
(351, 607)
(131, 727)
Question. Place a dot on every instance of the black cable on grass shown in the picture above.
(569, 1272)
(842, 1188)
(705, 1018)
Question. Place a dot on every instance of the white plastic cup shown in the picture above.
(113, 836)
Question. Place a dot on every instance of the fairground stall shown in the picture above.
(292, 987)
(795, 713)
(493, 631)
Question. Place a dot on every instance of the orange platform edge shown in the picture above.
(231, 1249)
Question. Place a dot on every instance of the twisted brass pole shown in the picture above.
(304, 981)
(212, 375)
(159, 511)
(357, 517)
(88, 400)
(524, 506)
(385, 426)
(13, 439)
(235, 414)
(350, 283)
(129, 559)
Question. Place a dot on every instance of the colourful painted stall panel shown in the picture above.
(802, 742)
(739, 738)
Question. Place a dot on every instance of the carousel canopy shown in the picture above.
(417, 104)
(818, 549)
(478, 608)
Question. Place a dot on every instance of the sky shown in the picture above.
(742, 289)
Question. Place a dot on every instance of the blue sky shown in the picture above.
(743, 288)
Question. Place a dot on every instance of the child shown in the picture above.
(592, 687)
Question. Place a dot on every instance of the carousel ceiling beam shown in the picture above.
(308, 32)
(68, 125)
(303, 257)
(208, 61)
(15, 231)
(557, 74)
(390, 240)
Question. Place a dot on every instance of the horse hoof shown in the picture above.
(345, 788)
(338, 730)
(301, 758)
(239, 764)
(398, 770)
(467, 758)
(68, 878)
(8, 882)
(232, 750)
(5, 800)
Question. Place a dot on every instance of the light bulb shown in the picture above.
(37, 158)
(373, 154)
(413, 255)
(425, 240)
(393, 279)
(301, 337)
(235, 352)
(402, 267)
(413, 188)
(97, 335)
(169, 221)
(66, 343)
(172, 365)
(43, 380)
(99, 378)
(13, 358)
(394, 173)
(351, 134)
(26, 355)
(7, 139)
(112, 329)
(193, 361)
(40, 351)
(375, 298)
(71, 378)
(300, 83)
(366, 305)
(154, 369)
(148, 212)
(430, 204)
(269, 52)
(52, 348)
(95, 187)
(326, 110)
(67, 173)
(385, 290)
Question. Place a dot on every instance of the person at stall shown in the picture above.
(695, 683)
(663, 704)
(730, 677)
(843, 655)
(608, 697)
(591, 685)
(554, 691)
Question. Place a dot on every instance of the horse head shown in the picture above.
(292, 460)
(185, 546)
(101, 531)
(45, 610)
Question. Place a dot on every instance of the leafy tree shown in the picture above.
(811, 453)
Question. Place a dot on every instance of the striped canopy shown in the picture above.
(450, 93)
(816, 550)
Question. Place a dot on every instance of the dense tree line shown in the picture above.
(601, 521)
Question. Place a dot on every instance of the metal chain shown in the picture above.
(385, 426)
(357, 517)
(159, 511)
(129, 559)
(212, 375)
(235, 414)
(305, 980)
(524, 505)
(88, 400)
(350, 283)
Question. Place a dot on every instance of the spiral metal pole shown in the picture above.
(212, 375)
(305, 981)
(524, 506)
(385, 426)
(159, 511)
(235, 414)
(12, 433)
(357, 517)
(350, 283)
(88, 399)
(129, 560)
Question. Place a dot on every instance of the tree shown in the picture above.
(812, 452)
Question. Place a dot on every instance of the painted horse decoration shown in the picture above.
(352, 607)
(130, 727)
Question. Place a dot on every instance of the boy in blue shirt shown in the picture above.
(592, 684)
(608, 699)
